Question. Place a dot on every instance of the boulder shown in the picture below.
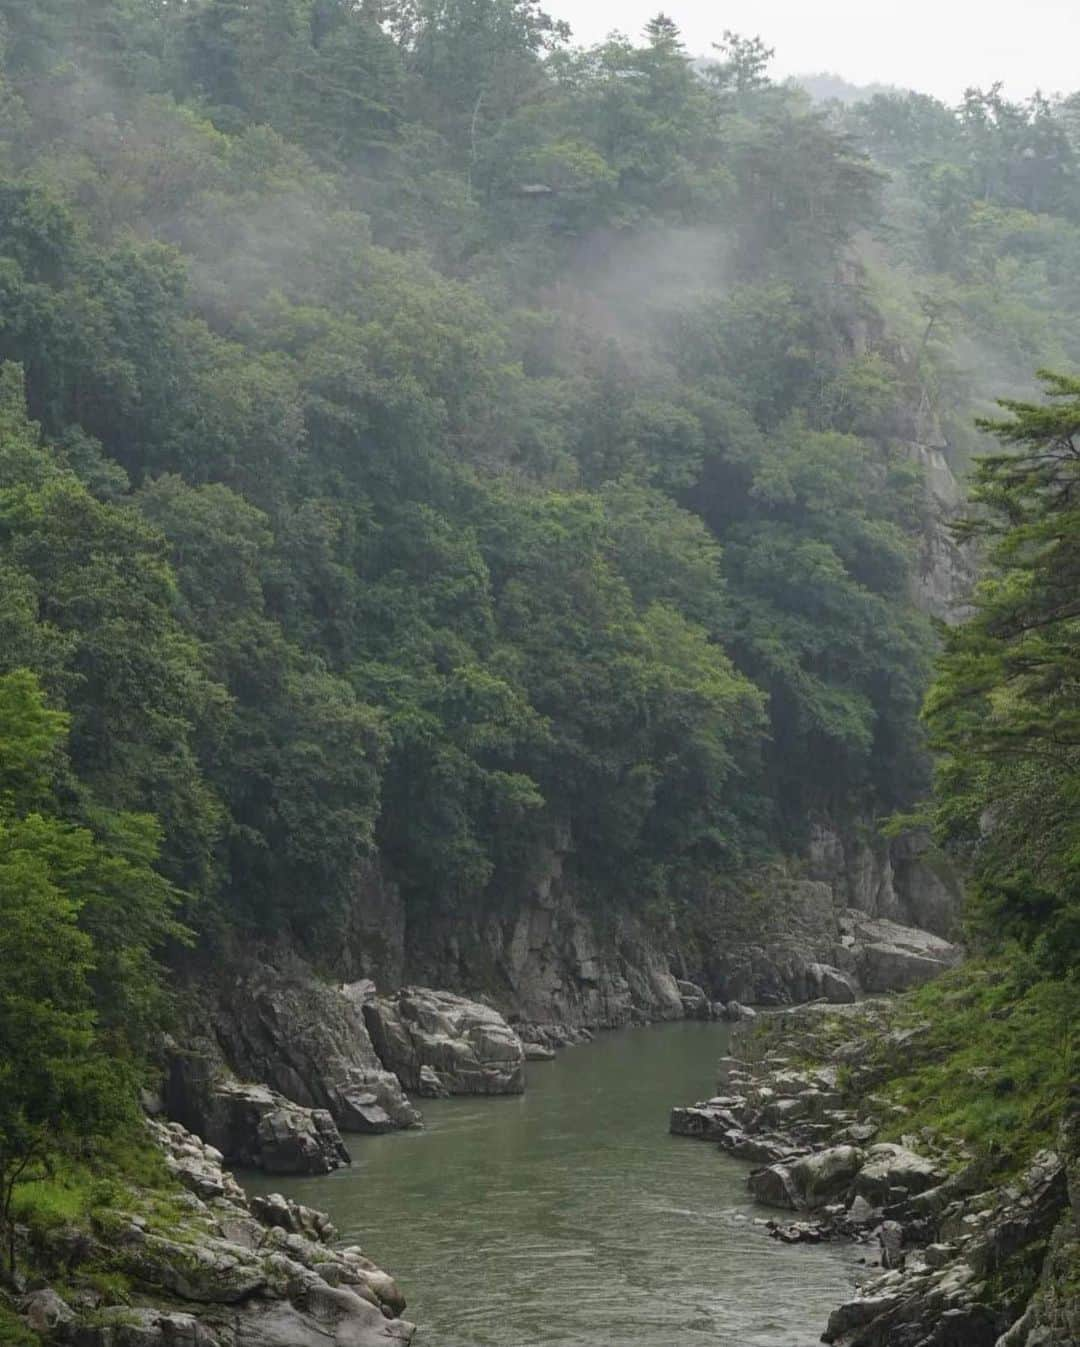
(45, 1311)
(828, 982)
(277, 1212)
(809, 1182)
(326, 1317)
(696, 1004)
(773, 1187)
(889, 1168)
(468, 1048)
(704, 1122)
(890, 957)
(536, 1052)
(826, 1175)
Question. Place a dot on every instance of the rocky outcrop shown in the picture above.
(938, 1292)
(955, 1246)
(251, 1126)
(806, 947)
(902, 879)
(208, 1268)
(1052, 1318)
(307, 1039)
(440, 1043)
(546, 957)
(945, 574)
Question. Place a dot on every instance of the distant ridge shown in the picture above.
(826, 88)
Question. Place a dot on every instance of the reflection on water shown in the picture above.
(569, 1218)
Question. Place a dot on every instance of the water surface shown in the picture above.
(568, 1217)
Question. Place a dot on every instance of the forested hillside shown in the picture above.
(423, 438)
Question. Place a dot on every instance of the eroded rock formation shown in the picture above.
(439, 1043)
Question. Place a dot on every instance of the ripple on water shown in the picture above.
(569, 1218)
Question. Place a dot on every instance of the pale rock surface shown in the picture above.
(428, 1036)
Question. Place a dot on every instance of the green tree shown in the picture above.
(1004, 711)
(81, 913)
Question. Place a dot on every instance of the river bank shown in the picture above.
(964, 1191)
(564, 1217)
(561, 1217)
(552, 1215)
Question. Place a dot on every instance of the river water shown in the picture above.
(568, 1217)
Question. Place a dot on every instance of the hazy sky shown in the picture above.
(938, 46)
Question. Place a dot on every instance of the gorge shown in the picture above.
(521, 563)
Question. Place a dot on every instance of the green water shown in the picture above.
(570, 1218)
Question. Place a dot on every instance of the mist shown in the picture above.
(933, 48)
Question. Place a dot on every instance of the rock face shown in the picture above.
(809, 948)
(438, 1042)
(307, 1039)
(210, 1269)
(546, 959)
(946, 572)
(251, 1125)
(900, 880)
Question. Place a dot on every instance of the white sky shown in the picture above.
(936, 46)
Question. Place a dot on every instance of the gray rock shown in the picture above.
(468, 1047)
(812, 1181)
(329, 1317)
(45, 1311)
(138, 1326)
(891, 1238)
(862, 1213)
(825, 1175)
(696, 1004)
(308, 1040)
(773, 1187)
(704, 1122)
(278, 1212)
(536, 1052)
(289, 1288)
(430, 1084)
(890, 1167)
(830, 983)
(251, 1125)
(890, 957)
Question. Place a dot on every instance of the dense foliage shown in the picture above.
(1005, 708)
(425, 441)
(81, 910)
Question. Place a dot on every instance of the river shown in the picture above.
(568, 1217)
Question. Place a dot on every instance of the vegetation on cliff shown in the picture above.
(423, 441)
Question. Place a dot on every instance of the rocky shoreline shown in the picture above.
(801, 1098)
(272, 1063)
(205, 1266)
(271, 1067)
